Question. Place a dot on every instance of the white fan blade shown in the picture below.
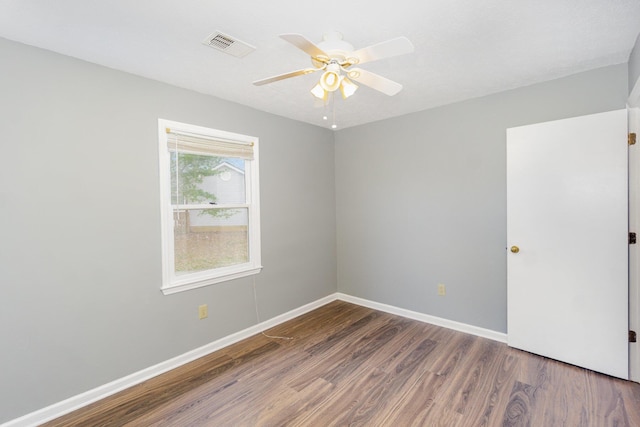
(393, 47)
(301, 42)
(285, 76)
(375, 81)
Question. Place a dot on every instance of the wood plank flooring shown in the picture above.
(353, 366)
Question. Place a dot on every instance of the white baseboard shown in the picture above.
(438, 321)
(76, 402)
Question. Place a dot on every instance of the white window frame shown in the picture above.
(172, 283)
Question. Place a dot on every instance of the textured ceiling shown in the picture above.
(463, 48)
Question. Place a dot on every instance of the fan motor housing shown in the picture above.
(333, 44)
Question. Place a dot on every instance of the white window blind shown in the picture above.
(200, 144)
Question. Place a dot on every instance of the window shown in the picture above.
(210, 206)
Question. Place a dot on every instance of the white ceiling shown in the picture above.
(463, 48)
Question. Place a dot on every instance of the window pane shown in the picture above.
(197, 179)
(212, 238)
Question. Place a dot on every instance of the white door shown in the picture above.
(567, 237)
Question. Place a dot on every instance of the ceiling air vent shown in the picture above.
(228, 44)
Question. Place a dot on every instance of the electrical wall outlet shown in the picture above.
(203, 311)
(442, 290)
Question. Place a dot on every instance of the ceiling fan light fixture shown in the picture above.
(330, 81)
(347, 88)
(319, 92)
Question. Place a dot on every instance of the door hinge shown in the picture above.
(632, 238)
(632, 336)
(632, 138)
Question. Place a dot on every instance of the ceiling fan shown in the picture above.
(336, 58)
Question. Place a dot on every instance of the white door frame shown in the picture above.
(633, 105)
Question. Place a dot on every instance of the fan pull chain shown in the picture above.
(333, 111)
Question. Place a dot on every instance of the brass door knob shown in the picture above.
(515, 249)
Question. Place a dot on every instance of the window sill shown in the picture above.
(188, 284)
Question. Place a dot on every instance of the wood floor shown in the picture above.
(350, 365)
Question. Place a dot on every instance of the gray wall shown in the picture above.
(634, 64)
(80, 301)
(421, 199)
